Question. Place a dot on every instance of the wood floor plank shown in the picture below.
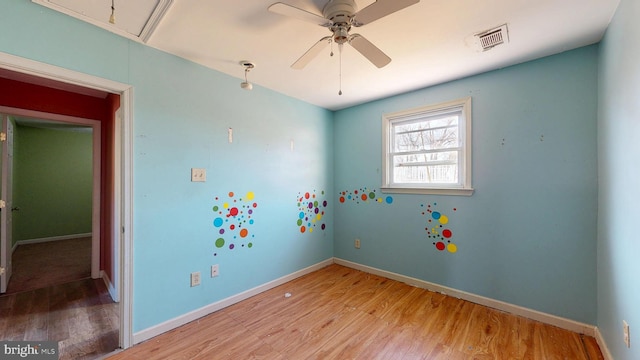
(70, 314)
(591, 348)
(317, 329)
(342, 313)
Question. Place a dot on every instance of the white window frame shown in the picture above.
(463, 187)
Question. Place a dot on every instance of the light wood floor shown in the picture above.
(341, 313)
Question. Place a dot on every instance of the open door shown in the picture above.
(6, 203)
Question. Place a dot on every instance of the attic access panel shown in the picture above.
(135, 19)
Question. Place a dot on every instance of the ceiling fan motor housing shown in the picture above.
(340, 11)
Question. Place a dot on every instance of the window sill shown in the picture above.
(432, 191)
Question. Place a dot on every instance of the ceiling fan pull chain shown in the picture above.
(340, 51)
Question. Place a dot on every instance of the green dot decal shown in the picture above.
(220, 242)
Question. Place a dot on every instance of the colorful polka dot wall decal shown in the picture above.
(362, 196)
(311, 211)
(233, 216)
(438, 228)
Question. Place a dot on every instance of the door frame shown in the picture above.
(123, 173)
(6, 242)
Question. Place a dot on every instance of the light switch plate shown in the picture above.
(198, 175)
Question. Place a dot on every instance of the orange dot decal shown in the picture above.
(244, 233)
(302, 229)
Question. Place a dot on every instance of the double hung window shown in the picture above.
(428, 150)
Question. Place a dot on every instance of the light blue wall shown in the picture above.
(182, 112)
(619, 171)
(527, 236)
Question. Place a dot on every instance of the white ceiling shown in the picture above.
(429, 43)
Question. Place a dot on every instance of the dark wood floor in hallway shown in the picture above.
(43, 264)
(53, 298)
(342, 313)
(80, 315)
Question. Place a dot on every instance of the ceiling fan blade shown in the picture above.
(311, 53)
(380, 9)
(294, 12)
(370, 51)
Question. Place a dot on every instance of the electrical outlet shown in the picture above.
(625, 330)
(215, 270)
(356, 243)
(195, 278)
(198, 175)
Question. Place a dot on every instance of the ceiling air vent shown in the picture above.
(493, 37)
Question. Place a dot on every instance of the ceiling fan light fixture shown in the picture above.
(341, 35)
(112, 18)
(247, 65)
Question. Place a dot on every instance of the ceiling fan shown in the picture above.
(339, 16)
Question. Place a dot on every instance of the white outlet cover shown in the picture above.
(195, 278)
(625, 329)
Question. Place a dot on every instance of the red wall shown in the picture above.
(24, 95)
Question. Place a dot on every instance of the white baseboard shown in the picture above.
(52, 238)
(603, 345)
(560, 322)
(110, 287)
(206, 310)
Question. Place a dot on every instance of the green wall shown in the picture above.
(52, 183)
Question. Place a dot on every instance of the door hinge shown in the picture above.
(3, 204)
(1, 270)
(3, 136)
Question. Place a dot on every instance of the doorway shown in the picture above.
(50, 175)
(120, 210)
